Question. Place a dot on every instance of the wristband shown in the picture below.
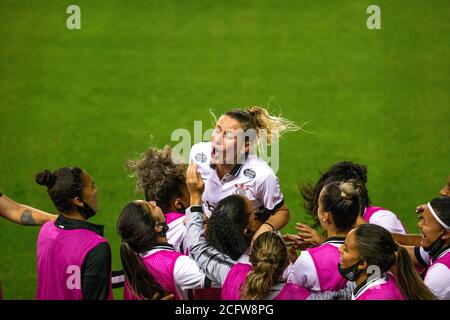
(273, 229)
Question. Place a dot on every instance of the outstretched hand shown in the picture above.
(195, 184)
(309, 235)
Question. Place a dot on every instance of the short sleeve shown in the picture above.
(269, 193)
(438, 281)
(303, 272)
(388, 220)
(187, 274)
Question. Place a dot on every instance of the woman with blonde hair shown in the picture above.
(229, 164)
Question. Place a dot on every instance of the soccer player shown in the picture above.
(163, 180)
(151, 265)
(434, 251)
(261, 277)
(73, 257)
(229, 164)
(315, 269)
(343, 171)
(368, 255)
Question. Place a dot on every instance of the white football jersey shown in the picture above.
(437, 278)
(253, 179)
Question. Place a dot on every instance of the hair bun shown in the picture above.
(349, 189)
(46, 178)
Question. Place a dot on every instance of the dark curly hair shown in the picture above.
(158, 176)
(341, 171)
(225, 229)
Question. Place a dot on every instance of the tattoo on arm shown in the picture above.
(26, 218)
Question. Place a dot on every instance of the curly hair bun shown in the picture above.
(46, 178)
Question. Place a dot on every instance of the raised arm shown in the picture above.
(23, 214)
(214, 263)
(407, 239)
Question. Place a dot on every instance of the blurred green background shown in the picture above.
(94, 97)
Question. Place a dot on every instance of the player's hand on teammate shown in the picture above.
(292, 242)
(195, 184)
(420, 209)
(295, 241)
(157, 296)
(309, 235)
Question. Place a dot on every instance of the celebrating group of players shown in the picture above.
(210, 230)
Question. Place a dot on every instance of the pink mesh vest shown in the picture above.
(385, 291)
(444, 259)
(172, 216)
(292, 291)
(161, 265)
(326, 258)
(231, 289)
(60, 256)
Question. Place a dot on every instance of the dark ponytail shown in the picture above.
(140, 281)
(376, 246)
(342, 201)
(136, 228)
(411, 285)
(63, 185)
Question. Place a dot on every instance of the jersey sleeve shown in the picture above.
(303, 272)
(214, 263)
(388, 220)
(269, 193)
(187, 274)
(96, 273)
(422, 256)
(437, 281)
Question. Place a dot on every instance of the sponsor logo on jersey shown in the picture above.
(276, 198)
(200, 157)
(249, 173)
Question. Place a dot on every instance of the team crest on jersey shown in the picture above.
(249, 173)
(200, 157)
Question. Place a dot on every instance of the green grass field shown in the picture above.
(94, 97)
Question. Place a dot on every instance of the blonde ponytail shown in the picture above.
(274, 125)
(267, 127)
(269, 259)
